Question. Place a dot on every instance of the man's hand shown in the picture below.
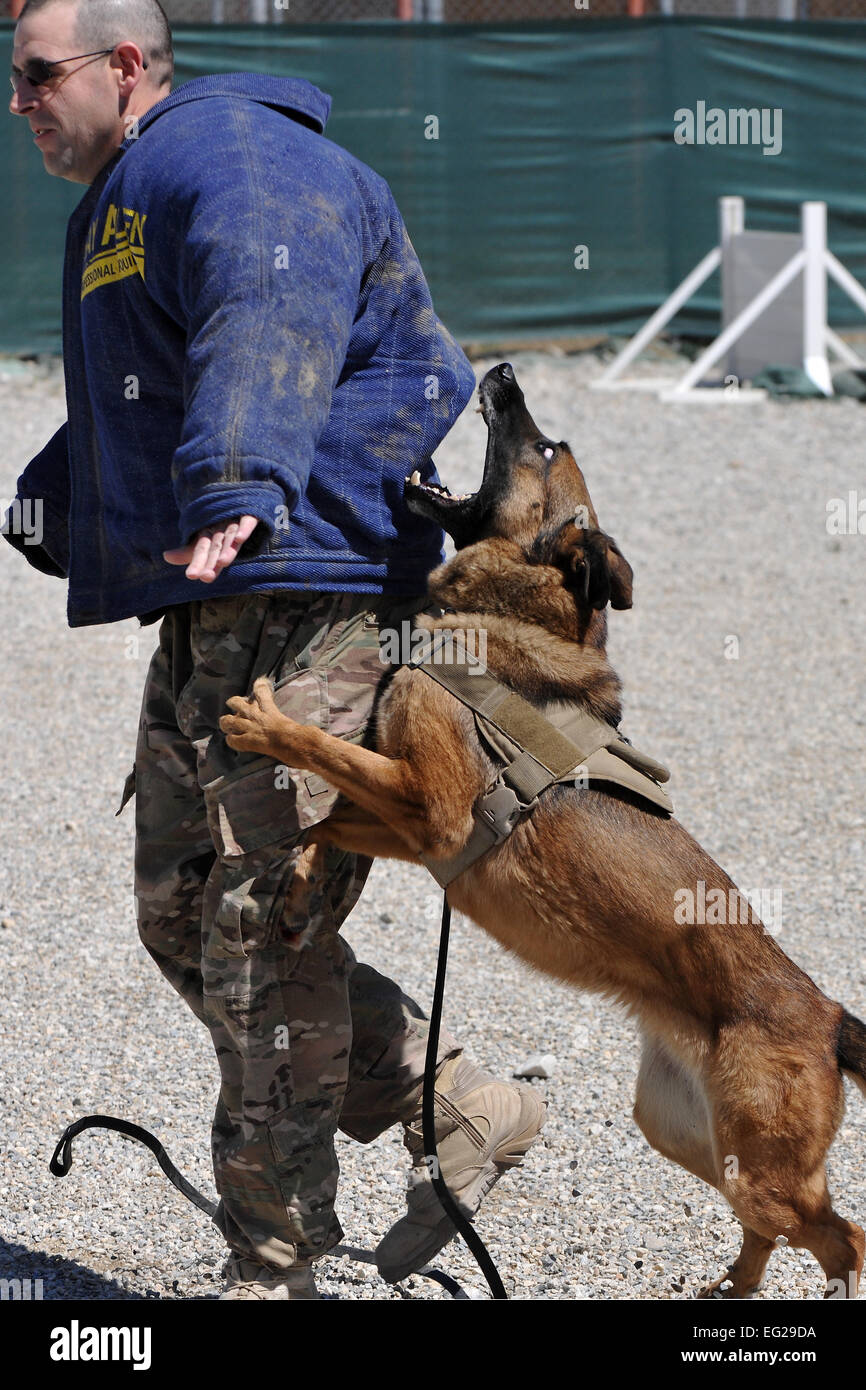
(212, 549)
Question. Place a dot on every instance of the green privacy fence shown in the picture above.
(551, 136)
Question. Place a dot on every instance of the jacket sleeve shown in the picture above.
(37, 523)
(264, 279)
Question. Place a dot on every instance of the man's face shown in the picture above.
(80, 108)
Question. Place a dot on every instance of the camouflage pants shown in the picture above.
(307, 1038)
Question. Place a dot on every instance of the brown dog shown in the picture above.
(740, 1079)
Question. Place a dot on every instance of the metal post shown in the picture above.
(731, 223)
(813, 220)
(732, 220)
(815, 262)
(743, 321)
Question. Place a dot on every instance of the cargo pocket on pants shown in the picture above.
(258, 816)
(257, 822)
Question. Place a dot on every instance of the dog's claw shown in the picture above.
(242, 734)
(256, 724)
(250, 726)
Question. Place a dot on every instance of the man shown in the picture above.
(252, 365)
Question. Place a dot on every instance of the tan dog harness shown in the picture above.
(565, 743)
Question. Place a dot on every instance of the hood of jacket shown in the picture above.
(293, 96)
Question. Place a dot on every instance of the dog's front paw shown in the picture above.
(255, 724)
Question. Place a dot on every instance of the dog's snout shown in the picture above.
(499, 387)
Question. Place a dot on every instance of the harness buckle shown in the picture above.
(500, 809)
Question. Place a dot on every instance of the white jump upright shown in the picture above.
(758, 273)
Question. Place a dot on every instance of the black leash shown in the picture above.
(428, 1123)
(61, 1159)
(61, 1162)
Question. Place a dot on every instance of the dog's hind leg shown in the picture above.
(838, 1246)
(672, 1111)
(806, 1221)
(776, 1111)
(747, 1271)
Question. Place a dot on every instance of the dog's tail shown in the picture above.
(851, 1049)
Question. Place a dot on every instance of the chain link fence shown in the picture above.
(182, 12)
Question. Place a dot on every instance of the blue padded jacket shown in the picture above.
(246, 329)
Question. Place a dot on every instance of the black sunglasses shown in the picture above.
(40, 71)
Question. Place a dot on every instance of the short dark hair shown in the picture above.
(104, 23)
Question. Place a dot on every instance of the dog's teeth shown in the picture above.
(415, 478)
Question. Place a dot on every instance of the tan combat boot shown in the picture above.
(483, 1128)
(246, 1278)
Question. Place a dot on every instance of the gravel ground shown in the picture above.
(721, 511)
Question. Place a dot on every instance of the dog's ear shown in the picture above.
(596, 570)
(620, 576)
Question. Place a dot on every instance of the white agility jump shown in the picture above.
(767, 319)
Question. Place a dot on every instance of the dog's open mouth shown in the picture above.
(438, 490)
(466, 515)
